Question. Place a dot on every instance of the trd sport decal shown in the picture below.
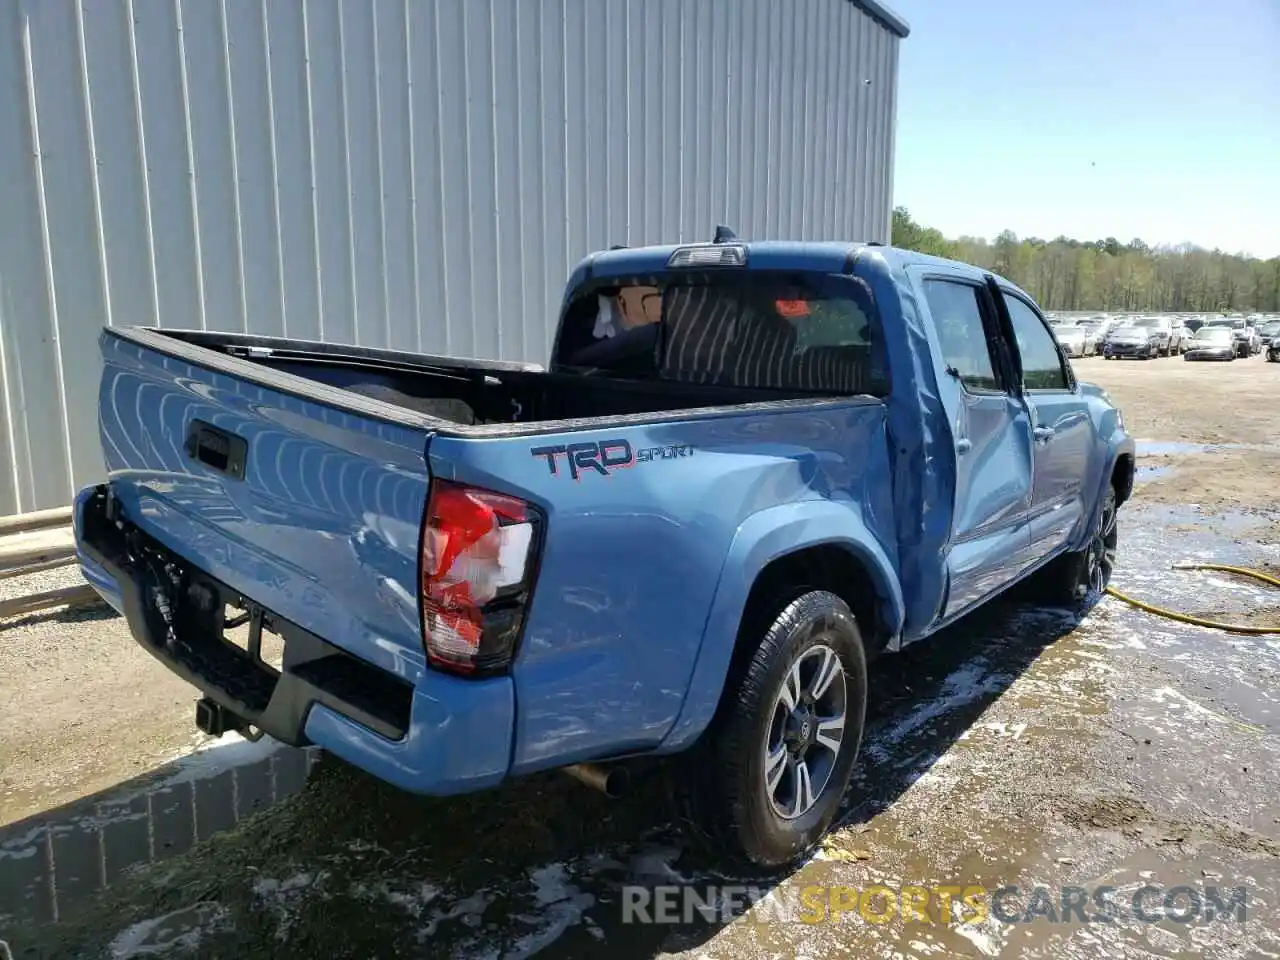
(606, 456)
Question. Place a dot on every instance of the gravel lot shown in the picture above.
(1022, 747)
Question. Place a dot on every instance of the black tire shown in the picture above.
(1075, 579)
(723, 782)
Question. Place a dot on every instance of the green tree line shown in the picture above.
(1065, 274)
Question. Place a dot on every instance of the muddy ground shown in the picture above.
(1027, 748)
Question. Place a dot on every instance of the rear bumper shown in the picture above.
(442, 736)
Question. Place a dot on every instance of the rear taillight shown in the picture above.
(478, 553)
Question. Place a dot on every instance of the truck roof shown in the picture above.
(827, 256)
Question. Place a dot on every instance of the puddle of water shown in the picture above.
(1233, 675)
(53, 863)
(1170, 448)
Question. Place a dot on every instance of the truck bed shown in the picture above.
(452, 396)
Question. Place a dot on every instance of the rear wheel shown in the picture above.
(767, 779)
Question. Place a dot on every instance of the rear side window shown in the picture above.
(957, 318)
(1042, 367)
(812, 333)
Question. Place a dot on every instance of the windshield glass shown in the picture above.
(1070, 329)
(1128, 332)
(1212, 334)
(1151, 322)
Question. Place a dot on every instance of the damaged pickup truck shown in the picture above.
(748, 469)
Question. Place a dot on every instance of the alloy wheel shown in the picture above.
(1101, 558)
(805, 732)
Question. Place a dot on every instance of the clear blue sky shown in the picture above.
(1157, 119)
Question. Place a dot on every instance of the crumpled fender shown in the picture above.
(763, 537)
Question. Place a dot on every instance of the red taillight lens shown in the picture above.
(478, 549)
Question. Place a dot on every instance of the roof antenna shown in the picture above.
(724, 234)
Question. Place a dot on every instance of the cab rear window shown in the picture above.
(811, 333)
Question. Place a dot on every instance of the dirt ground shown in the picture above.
(1216, 425)
(1023, 748)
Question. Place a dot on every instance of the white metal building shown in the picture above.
(420, 174)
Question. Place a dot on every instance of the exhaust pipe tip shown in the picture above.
(614, 782)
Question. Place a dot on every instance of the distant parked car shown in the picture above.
(1211, 342)
(1180, 335)
(1269, 339)
(1074, 340)
(1162, 329)
(1132, 341)
(1241, 334)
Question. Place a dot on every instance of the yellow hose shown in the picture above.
(1200, 621)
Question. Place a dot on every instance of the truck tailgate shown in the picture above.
(309, 510)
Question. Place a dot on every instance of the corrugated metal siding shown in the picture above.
(415, 174)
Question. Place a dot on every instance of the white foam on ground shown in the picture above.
(180, 930)
(282, 896)
(967, 684)
(561, 905)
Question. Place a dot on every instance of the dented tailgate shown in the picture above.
(308, 509)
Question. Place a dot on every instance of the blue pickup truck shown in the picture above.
(748, 469)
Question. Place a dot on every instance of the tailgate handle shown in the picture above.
(217, 449)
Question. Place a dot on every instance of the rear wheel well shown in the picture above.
(824, 567)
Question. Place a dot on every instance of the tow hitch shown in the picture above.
(215, 719)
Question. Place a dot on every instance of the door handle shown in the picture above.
(1043, 434)
(964, 445)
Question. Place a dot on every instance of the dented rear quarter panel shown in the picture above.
(624, 598)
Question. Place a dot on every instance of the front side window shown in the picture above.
(1042, 367)
(807, 332)
(957, 319)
